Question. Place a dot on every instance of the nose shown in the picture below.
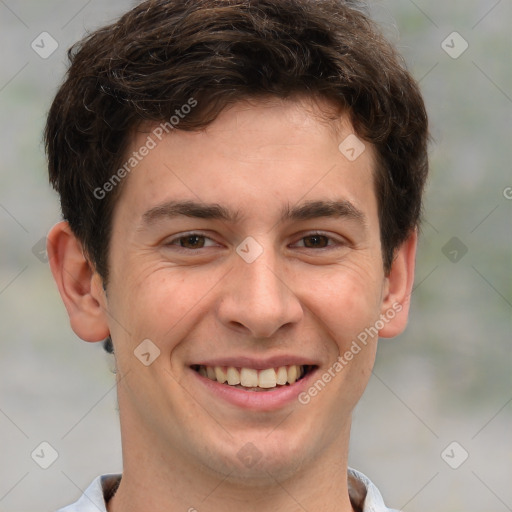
(259, 298)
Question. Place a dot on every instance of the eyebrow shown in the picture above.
(172, 209)
(305, 211)
(314, 209)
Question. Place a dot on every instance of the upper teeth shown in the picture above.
(251, 378)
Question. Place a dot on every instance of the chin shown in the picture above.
(255, 462)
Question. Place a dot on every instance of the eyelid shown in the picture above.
(175, 238)
(338, 240)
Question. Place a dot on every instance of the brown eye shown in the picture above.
(192, 241)
(316, 241)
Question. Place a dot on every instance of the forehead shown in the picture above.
(255, 152)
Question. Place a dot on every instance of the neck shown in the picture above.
(168, 479)
(181, 487)
(138, 493)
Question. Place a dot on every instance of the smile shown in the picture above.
(250, 379)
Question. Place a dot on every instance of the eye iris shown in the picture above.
(315, 241)
(192, 242)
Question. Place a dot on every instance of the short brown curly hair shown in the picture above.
(164, 52)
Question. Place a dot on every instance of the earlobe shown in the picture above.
(79, 285)
(395, 306)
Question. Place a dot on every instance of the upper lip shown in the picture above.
(257, 363)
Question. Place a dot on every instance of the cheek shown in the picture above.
(163, 303)
(346, 313)
(346, 300)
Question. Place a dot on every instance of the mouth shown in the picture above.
(250, 379)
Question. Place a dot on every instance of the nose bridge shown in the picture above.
(259, 297)
(263, 280)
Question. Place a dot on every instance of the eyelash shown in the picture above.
(331, 240)
(184, 237)
(335, 242)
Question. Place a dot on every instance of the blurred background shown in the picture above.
(434, 429)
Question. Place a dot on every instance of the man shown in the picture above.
(241, 184)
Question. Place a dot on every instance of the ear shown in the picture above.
(79, 285)
(398, 289)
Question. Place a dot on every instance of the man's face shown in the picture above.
(274, 261)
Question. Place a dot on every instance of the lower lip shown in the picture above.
(257, 400)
